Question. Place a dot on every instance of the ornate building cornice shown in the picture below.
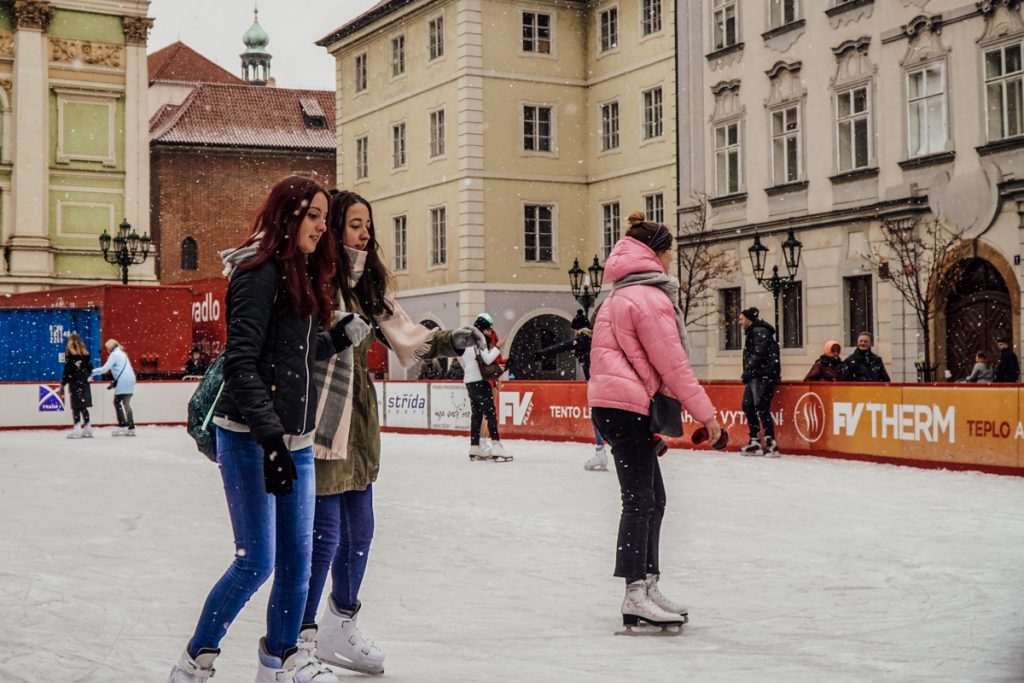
(136, 30)
(32, 14)
(68, 51)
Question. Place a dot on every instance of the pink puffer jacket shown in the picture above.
(636, 349)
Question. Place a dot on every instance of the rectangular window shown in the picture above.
(729, 306)
(362, 157)
(436, 39)
(537, 129)
(609, 226)
(398, 145)
(926, 111)
(654, 207)
(727, 159)
(1004, 92)
(400, 236)
(609, 126)
(724, 20)
(786, 145)
(397, 56)
(537, 33)
(859, 312)
(360, 74)
(437, 133)
(438, 236)
(782, 12)
(853, 122)
(792, 303)
(538, 232)
(609, 29)
(650, 17)
(653, 126)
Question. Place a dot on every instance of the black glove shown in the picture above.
(278, 467)
(464, 337)
(348, 331)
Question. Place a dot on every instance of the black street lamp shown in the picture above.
(586, 285)
(776, 284)
(129, 248)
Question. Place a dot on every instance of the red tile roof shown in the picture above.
(180, 63)
(248, 116)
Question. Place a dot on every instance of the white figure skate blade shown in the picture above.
(651, 630)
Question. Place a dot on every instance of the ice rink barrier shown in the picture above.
(956, 426)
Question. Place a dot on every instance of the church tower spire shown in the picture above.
(256, 59)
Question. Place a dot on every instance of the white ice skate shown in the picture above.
(639, 611)
(771, 448)
(119, 431)
(277, 669)
(752, 448)
(598, 461)
(87, 431)
(659, 599)
(188, 670)
(309, 668)
(75, 433)
(129, 432)
(341, 643)
(477, 453)
(498, 453)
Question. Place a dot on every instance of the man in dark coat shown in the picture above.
(1008, 369)
(863, 365)
(762, 371)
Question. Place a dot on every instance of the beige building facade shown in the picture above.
(74, 159)
(500, 140)
(829, 117)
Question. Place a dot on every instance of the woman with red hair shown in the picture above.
(279, 306)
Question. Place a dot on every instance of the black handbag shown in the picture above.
(666, 415)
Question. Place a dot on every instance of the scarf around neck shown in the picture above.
(668, 285)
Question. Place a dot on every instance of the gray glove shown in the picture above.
(464, 337)
(349, 331)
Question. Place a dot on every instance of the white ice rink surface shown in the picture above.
(797, 569)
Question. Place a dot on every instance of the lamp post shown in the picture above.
(586, 285)
(129, 248)
(776, 284)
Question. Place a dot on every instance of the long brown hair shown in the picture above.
(370, 289)
(306, 280)
(76, 346)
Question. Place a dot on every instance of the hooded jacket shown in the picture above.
(761, 353)
(636, 350)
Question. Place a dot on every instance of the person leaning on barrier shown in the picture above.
(863, 365)
(826, 368)
(981, 373)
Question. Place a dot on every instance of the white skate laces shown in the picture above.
(659, 599)
(308, 667)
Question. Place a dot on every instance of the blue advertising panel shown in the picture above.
(33, 340)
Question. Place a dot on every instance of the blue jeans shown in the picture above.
(273, 535)
(342, 532)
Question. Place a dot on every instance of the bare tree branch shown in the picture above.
(700, 265)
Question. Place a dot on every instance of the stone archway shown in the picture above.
(536, 333)
(978, 312)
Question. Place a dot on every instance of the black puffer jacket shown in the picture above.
(268, 359)
(1008, 369)
(761, 353)
(863, 366)
(77, 371)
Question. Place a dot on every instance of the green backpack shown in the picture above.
(200, 408)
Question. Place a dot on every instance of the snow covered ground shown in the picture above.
(798, 569)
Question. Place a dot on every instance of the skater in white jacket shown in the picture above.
(123, 384)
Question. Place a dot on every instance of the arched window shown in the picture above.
(189, 254)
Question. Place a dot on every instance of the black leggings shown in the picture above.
(642, 489)
(481, 405)
(757, 406)
(80, 415)
(123, 408)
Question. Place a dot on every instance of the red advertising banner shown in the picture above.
(958, 426)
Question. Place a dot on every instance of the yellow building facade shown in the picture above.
(501, 140)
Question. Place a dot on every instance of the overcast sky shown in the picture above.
(214, 28)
